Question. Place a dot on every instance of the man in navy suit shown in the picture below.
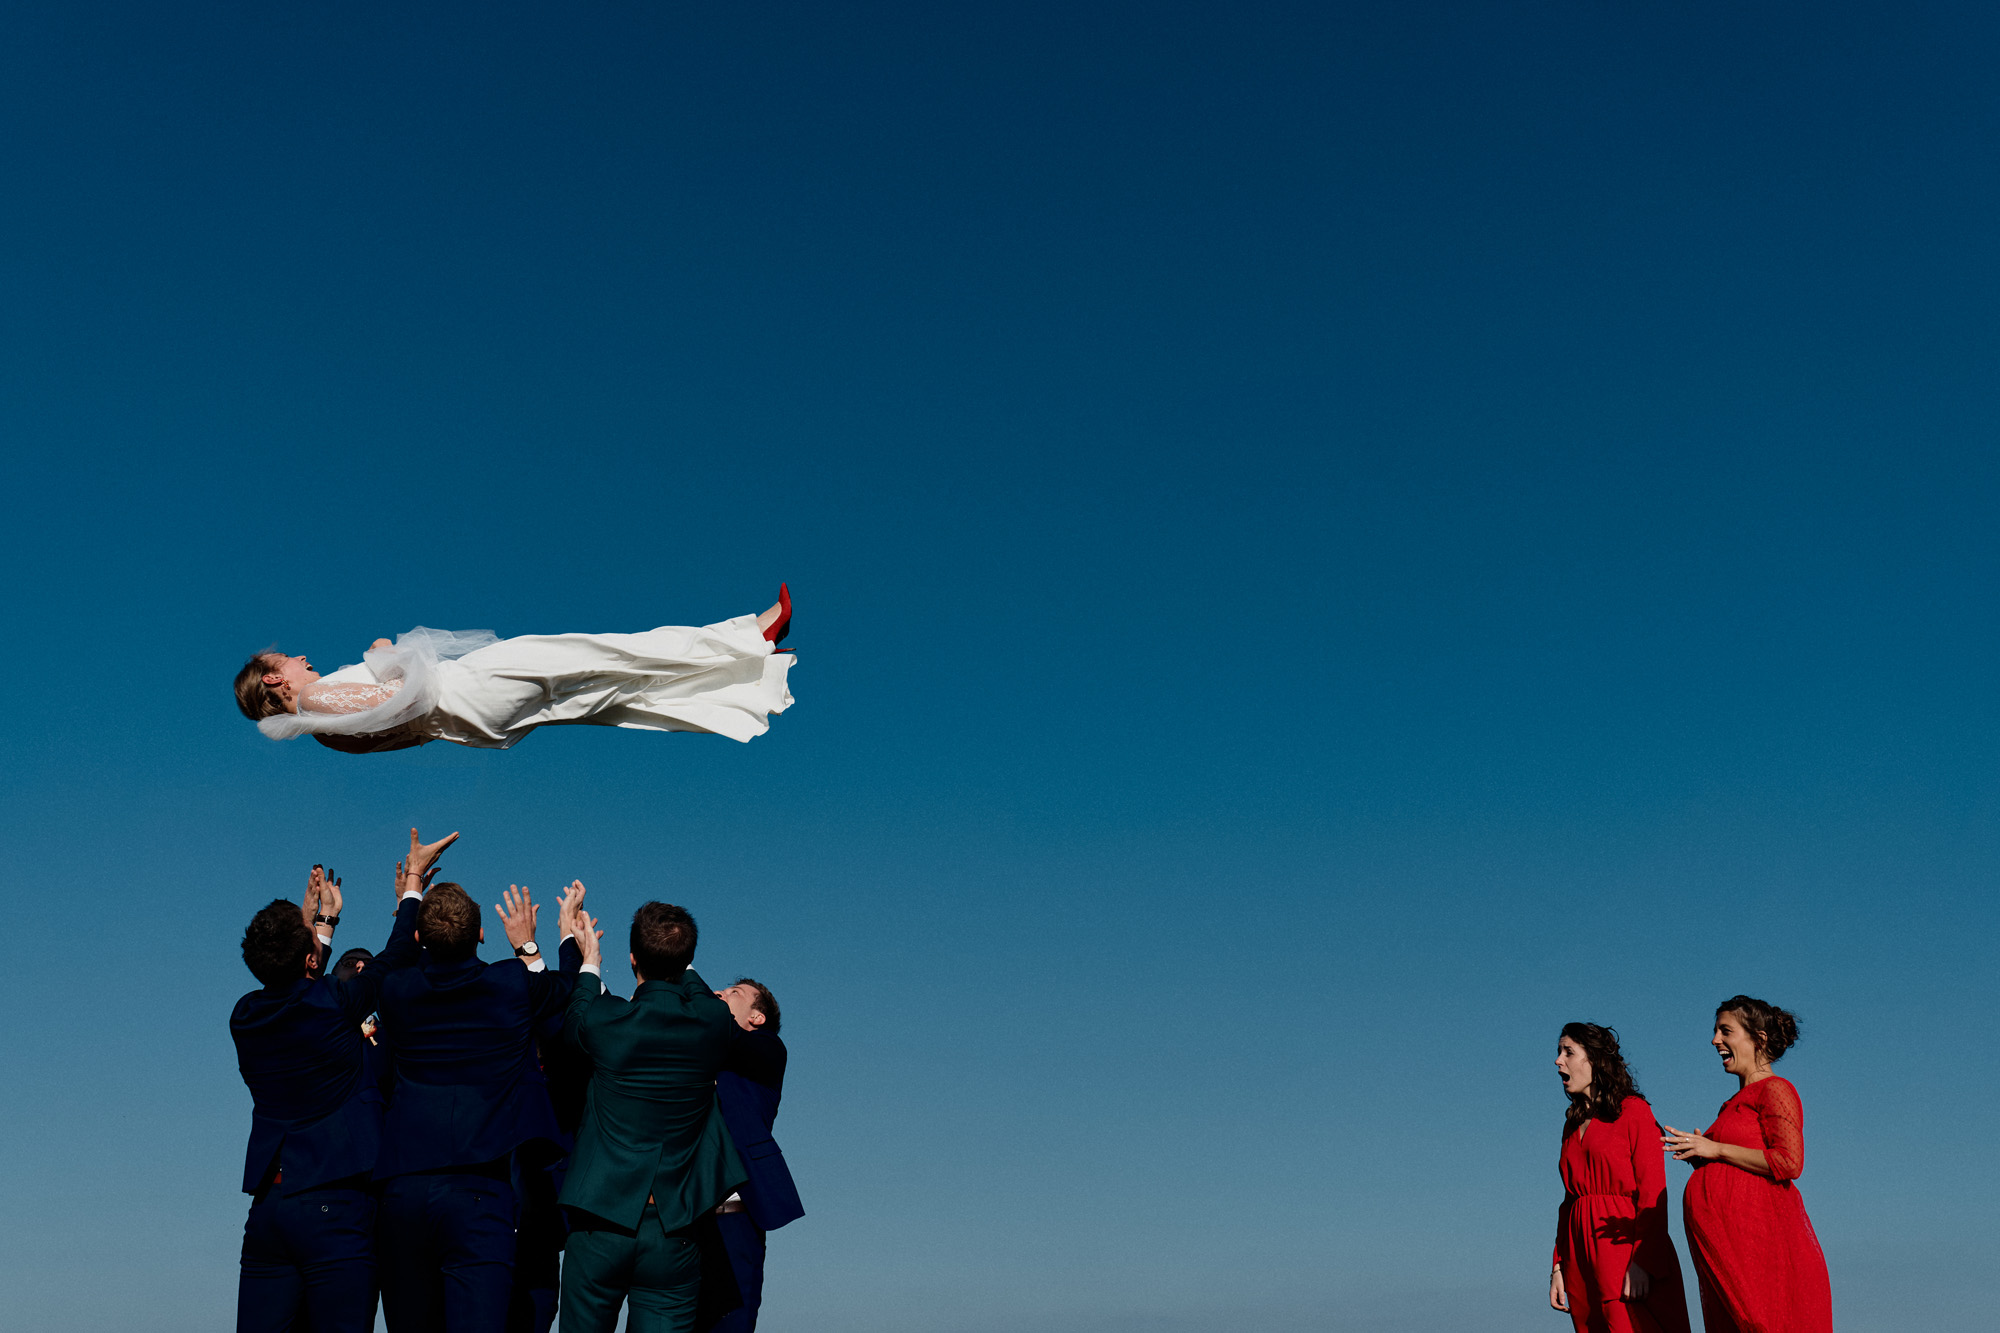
(747, 1093)
(466, 1097)
(316, 1122)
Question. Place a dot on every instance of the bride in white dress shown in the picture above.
(474, 688)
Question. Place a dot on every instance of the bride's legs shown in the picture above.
(777, 622)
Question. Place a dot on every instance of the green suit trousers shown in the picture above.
(660, 1272)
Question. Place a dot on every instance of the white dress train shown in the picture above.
(476, 689)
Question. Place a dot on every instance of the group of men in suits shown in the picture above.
(480, 1145)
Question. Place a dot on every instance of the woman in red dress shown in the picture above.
(1754, 1251)
(1615, 1266)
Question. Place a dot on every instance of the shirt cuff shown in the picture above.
(327, 940)
(409, 894)
(536, 964)
(594, 969)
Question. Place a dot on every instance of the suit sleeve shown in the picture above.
(588, 987)
(548, 992)
(359, 997)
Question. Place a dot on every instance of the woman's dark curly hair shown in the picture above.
(1611, 1080)
(1775, 1029)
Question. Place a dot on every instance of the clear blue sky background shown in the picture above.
(1329, 541)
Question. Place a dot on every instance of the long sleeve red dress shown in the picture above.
(1754, 1249)
(1614, 1212)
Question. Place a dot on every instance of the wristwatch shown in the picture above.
(528, 950)
(321, 919)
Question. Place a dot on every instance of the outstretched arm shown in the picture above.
(322, 913)
(346, 696)
(1688, 1147)
(589, 980)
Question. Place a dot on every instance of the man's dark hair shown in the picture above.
(663, 937)
(349, 966)
(448, 923)
(277, 943)
(765, 1003)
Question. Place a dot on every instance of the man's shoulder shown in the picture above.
(427, 977)
(259, 1005)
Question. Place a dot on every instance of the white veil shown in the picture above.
(413, 661)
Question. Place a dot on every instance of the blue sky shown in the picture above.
(1328, 540)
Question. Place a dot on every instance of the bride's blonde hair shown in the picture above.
(256, 699)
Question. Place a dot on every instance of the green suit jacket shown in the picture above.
(649, 1124)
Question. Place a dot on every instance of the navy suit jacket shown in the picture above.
(300, 1050)
(461, 1036)
(747, 1092)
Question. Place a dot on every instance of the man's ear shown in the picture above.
(633, 958)
(482, 934)
(756, 1018)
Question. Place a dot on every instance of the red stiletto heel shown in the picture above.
(783, 624)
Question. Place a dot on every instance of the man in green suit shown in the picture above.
(652, 1157)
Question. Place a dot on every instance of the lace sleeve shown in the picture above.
(347, 696)
(1782, 1122)
(393, 687)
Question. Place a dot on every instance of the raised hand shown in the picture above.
(517, 914)
(310, 908)
(329, 896)
(423, 856)
(587, 938)
(566, 911)
(1684, 1145)
(416, 873)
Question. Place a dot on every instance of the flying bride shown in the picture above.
(474, 688)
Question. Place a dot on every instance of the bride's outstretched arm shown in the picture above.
(346, 696)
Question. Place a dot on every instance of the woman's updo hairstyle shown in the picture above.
(256, 699)
(1611, 1080)
(1775, 1029)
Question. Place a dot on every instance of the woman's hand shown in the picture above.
(1690, 1147)
(1558, 1298)
(1637, 1283)
(518, 915)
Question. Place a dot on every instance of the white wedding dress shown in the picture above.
(474, 688)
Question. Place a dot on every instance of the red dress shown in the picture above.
(1754, 1251)
(1614, 1211)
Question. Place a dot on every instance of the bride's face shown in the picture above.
(288, 676)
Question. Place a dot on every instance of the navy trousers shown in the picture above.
(538, 1246)
(308, 1262)
(447, 1248)
(745, 1244)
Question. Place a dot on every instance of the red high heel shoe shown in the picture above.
(782, 626)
